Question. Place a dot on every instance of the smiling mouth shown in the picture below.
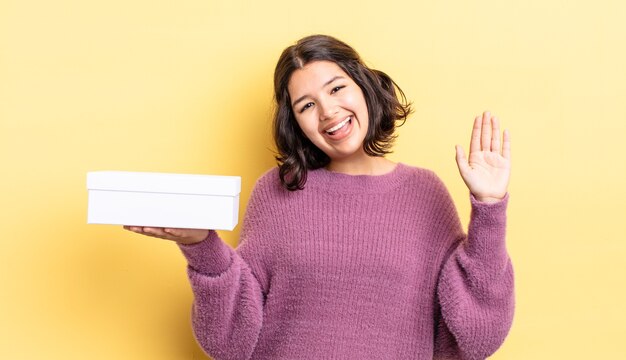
(339, 126)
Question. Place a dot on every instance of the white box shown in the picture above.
(163, 200)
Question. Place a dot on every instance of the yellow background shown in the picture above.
(185, 86)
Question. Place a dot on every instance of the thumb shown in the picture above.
(461, 160)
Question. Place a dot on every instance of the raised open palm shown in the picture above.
(487, 171)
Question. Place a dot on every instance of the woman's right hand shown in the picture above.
(181, 236)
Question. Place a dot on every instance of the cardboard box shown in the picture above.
(163, 200)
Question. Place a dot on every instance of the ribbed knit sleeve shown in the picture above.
(227, 313)
(475, 291)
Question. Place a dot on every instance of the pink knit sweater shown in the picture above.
(355, 267)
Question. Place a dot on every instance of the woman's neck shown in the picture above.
(368, 165)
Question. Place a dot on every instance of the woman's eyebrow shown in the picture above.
(325, 84)
(331, 80)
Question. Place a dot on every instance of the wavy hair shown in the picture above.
(386, 105)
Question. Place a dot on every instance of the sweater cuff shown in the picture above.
(210, 256)
(487, 228)
(485, 210)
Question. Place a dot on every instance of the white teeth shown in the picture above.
(338, 126)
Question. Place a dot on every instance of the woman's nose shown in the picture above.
(328, 111)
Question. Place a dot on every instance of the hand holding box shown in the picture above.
(181, 236)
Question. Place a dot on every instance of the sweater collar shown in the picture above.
(344, 183)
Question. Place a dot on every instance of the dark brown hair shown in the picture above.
(296, 153)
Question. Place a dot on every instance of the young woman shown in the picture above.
(343, 253)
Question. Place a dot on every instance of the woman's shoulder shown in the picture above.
(425, 180)
(270, 176)
(269, 180)
(420, 174)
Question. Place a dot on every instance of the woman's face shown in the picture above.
(330, 109)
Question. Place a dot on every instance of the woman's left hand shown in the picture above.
(487, 171)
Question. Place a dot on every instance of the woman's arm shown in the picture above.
(475, 292)
(227, 312)
(227, 285)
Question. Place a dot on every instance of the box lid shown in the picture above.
(164, 183)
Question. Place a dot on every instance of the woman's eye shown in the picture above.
(336, 88)
(306, 106)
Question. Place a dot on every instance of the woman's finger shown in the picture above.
(486, 132)
(506, 145)
(495, 137)
(136, 229)
(461, 161)
(174, 232)
(475, 139)
(158, 232)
